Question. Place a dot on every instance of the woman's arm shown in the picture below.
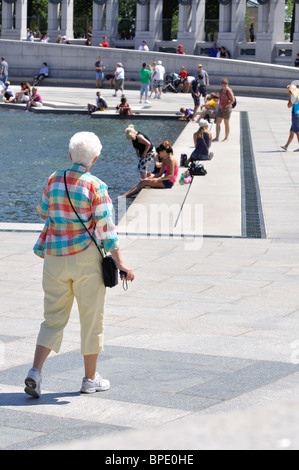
(290, 104)
(116, 254)
(195, 139)
(230, 97)
(156, 176)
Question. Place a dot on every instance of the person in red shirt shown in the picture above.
(181, 49)
(183, 74)
(104, 43)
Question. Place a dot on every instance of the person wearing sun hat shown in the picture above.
(202, 139)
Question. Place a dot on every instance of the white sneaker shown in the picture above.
(32, 382)
(97, 385)
(147, 102)
(284, 147)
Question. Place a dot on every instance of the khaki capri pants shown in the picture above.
(65, 278)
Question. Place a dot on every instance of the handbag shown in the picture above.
(197, 169)
(109, 266)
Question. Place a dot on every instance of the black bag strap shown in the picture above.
(125, 282)
(94, 240)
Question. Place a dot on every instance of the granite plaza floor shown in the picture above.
(202, 351)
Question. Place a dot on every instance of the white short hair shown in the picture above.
(84, 147)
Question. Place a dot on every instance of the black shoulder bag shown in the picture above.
(110, 270)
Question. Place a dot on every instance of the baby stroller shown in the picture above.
(172, 82)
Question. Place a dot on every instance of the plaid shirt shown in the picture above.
(63, 233)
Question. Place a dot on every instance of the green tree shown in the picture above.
(38, 8)
(170, 17)
(127, 17)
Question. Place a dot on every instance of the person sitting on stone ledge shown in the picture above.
(23, 96)
(124, 107)
(8, 93)
(101, 104)
(202, 140)
(210, 107)
(35, 100)
(167, 176)
(43, 73)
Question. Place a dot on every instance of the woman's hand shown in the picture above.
(122, 266)
(130, 276)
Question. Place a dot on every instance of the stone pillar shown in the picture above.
(232, 15)
(296, 33)
(270, 29)
(142, 27)
(148, 22)
(104, 21)
(191, 23)
(98, 22)
(9, 29)
(67, 18)
(53, 20)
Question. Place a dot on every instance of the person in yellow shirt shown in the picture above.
(209, 108)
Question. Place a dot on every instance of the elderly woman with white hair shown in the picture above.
(119, 79)
(72, 262)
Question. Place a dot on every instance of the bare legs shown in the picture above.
(41, 354)
(226, 127)
(291, 137)
(90, 361)
(147, 182)
(90, 364)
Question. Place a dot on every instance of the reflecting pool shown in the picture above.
(34, 145)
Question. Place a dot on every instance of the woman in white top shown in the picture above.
(119, 75)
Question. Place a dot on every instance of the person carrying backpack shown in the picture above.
(226, 102)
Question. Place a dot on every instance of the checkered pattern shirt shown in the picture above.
(63, 234)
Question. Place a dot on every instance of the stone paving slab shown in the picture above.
(205, 339)
(164, 364)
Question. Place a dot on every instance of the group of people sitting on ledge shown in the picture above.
(166, 171)
(27, 95)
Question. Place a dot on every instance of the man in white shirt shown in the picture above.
(158, 78)
(119, 75)
(144, 46)
(8, 92)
